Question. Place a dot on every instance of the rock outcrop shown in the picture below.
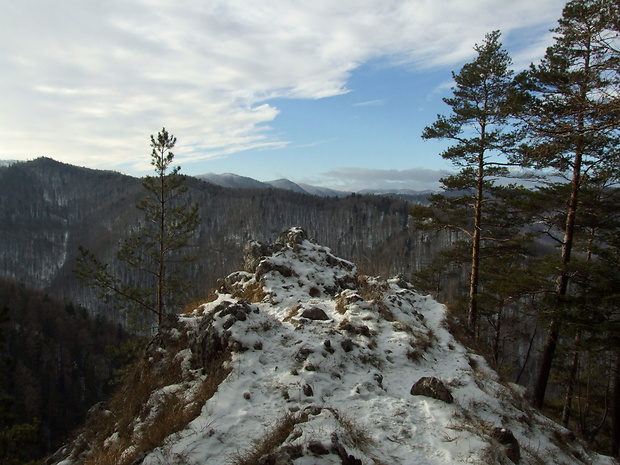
(297, 359)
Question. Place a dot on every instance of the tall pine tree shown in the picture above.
(572, 123)
(480, 131)
(155, 254)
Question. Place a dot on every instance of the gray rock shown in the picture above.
(314, 314)
(432, 387)
(317, 448)
(507, 439)
(347, 345)
(253, 253)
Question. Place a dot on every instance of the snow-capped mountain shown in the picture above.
(299, 360)
(232, 180)
(243, 182)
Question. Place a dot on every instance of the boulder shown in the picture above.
(511, 446)
(253, 253)
(314, 314)
(432, 387)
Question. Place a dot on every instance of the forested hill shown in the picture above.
(55, 363)
(48, 209)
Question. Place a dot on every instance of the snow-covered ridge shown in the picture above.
(321, 369)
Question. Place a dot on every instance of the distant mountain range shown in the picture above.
(7, 162)
(48, 209)
(242, 182)
(236, 181)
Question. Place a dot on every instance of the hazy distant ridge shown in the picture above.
(242, 182)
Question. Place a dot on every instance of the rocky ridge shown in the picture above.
(297, 359)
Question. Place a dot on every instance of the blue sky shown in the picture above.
(328, 93)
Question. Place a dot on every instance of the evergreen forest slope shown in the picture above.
(48, 209)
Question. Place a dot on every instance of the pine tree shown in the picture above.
(572, 123)
(479, 127)
(155, 252)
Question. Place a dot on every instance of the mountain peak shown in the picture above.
(297, 359)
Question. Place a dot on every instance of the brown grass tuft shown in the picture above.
(195, 303)
(370, 289)
(273, 439)
(252, 292)
(172, 412)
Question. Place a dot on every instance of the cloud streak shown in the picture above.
(354, 179)
(87, 82)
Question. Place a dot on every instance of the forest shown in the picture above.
(57, 362)
(536, 207)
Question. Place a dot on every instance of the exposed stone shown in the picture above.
(277, 458)
(100, 408)
(345, 457)
(507, 439)
(233, 282)
(353, 329)
(232, 312)
(308, 392)
(291, 237)
(314, 292)
(294, 451)
(253, 253)
(266, 266)
(229, 322)
(139, 459)
(432, 387)
(317, 447)
(303, 354)
(283, 456)
(314, 314)
(347, 345)
(328, 346)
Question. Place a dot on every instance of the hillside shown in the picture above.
(55, 364)
(299, 359)
(48, 209)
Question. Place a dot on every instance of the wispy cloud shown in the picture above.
(370, 103)
(89, 81)
(354, 178)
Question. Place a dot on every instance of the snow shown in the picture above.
(351, 376)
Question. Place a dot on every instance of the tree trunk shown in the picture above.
(161, 256)
(498, 332)
(545, 363)
(562, 286)
(615, 418)
(570, 382)
(472, 314)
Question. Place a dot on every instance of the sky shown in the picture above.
(333, 93)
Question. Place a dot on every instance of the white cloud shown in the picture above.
(88, 81)
(354, 178)
(370, 103)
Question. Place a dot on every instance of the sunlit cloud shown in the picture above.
(88, 82)
(369, 103)
(355, 178)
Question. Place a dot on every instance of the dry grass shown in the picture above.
(371, 290)
(168, 413)
(292, 313)
(341, 305)
(273, 439)
(355, 435)
(195, 303)
(252, 292)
